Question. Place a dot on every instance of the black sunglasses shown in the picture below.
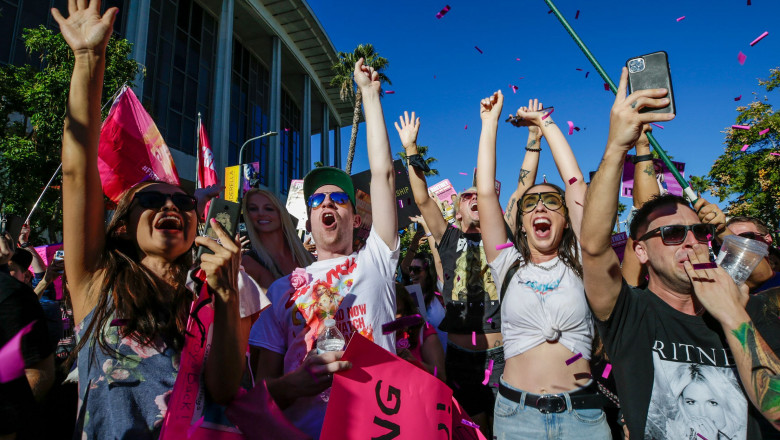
(675, 234)
(156, 200)
(752, 236)
(339, 198)
(415, 269)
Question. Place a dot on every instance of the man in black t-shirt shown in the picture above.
(18, 307)
(679, 348)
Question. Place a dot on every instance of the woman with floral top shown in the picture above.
(127, 284)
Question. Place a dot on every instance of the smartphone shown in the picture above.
(59, 255)
(651, 71)
(227, 213)
(520, 122)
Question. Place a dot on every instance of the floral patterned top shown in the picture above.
(124, 396)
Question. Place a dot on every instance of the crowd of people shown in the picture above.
(532, 319)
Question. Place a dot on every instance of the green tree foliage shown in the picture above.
(699, 184)
(32, 111)
(750, 180)
(344, 70)
(422, 150)
(406, 242)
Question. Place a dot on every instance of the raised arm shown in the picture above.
(600, 265)
(645, 187)
(380, 159)
(527, 177)
(407, 131)
(87, 34)
(432, 245)
(491, 220)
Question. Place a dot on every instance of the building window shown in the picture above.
(180, 57)
(250, 87)
(17, 15)
(290, 142)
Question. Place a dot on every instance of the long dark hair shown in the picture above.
(568, 251)
(429, 286)
(142, 304)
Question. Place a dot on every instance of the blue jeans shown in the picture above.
(512, 420)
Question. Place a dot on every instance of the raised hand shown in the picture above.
(625, 120)
(24, 234)
(85, 29)
(221, 267)
(490, 107)
(407, 131)
(710, 213)
(366, 78)
(714, 288)
(530, 116)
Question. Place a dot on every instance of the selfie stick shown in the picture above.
(687, 191)
(27, 221)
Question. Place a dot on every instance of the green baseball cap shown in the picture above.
(322, 176)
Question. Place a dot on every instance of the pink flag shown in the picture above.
(11, 360)
(131, 148)
(207, 175)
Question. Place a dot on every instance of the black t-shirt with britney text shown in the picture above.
(675, 374)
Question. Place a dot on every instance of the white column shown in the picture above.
(275, 117)
(337, 147)
(220, 127)
(325, 136)
(137, 34)
(306, 126)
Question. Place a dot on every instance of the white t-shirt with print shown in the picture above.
(358, 291)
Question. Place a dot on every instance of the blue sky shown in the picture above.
(437, 72)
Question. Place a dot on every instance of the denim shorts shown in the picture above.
(466, 372)
(513, 420)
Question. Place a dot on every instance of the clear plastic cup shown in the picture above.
(739, 256)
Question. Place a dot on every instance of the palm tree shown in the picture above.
(422, 150)
(344, 69)
(699, 184)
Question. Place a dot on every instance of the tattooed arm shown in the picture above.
(645, 188)
(528, 170)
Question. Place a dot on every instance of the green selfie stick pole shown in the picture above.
(687, 191)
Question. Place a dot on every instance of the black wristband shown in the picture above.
(535, 150)
(642, 158)
(417, 161)
(24, 245)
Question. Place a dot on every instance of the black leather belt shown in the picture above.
(554, 403)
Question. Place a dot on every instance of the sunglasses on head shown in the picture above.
(551, 200)
(415, 269)
(675, 234)
(339, 198)
(156, 200)
(467, 196)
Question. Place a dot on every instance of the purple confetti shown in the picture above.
(573, 359)
(469, 423)
(480, 50)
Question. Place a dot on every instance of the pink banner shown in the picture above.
(384, 396)
(11, 360)
(47, 255)
(131, 148)
(666, 181)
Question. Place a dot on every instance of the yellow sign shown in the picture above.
(232, 175)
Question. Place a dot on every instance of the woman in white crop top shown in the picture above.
(546, 390)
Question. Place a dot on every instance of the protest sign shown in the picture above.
(405, 207)
(47, 255)
(445, 196)
(385, 397)
(131, 149)
(619, 241)
(417, 298)
(668, 180)
(232, 177)
(296, 205)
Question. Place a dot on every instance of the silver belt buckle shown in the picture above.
(550, 403)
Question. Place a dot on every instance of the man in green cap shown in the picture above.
(356, 289)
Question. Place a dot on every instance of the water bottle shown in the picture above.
(330, 339)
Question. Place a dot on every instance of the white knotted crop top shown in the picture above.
(544, 302)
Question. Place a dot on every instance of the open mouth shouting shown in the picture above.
(542, 227)
(169, 222)
(328, 220)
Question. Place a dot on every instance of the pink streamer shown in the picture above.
(572, 180)
(514, 88)
(681, 19)
(469, 423)
(577, 15)
(763, 132)
(775, 154)
(488, 372)
(741, 58)
(738, 98)
(464, 174)
(503, 246)
(489, 320)
(466, 127)
(741, 127)
(443, 12)
(473, 338)
(607, 370)
(547, 115)
(11, 360)
(657, 125)
(700, 266)
(573, 359)
(759, 38)
(744, 147)
(705, 438)
(571, 127)
(390, 92)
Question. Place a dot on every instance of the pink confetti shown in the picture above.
(194, 427)
(571, 127)
(443, 12)
(741, 58)
(11, 360)
(759, 38)
(577, 15)
(469, 423)
(763, 132)
(657, 125)
(488, 371)
(466, 127)
(572, 180)
(578, 69)
(464, 174)
(478, 49)
(705, 438)
(578, 203)
(700, 266)
(286, 129)
(606, 86)
(574, 359)
(741, 127)
(390, 92)
(547, 115)
(607, 370)
(473, 338)
(738, 98)
(489, 320)
(514, 88)
(744, 147)
(681, 19)
(503, 246)
(518, 59)
(775, 154)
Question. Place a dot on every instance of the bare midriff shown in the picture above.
(483, 341)
(543, 370)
